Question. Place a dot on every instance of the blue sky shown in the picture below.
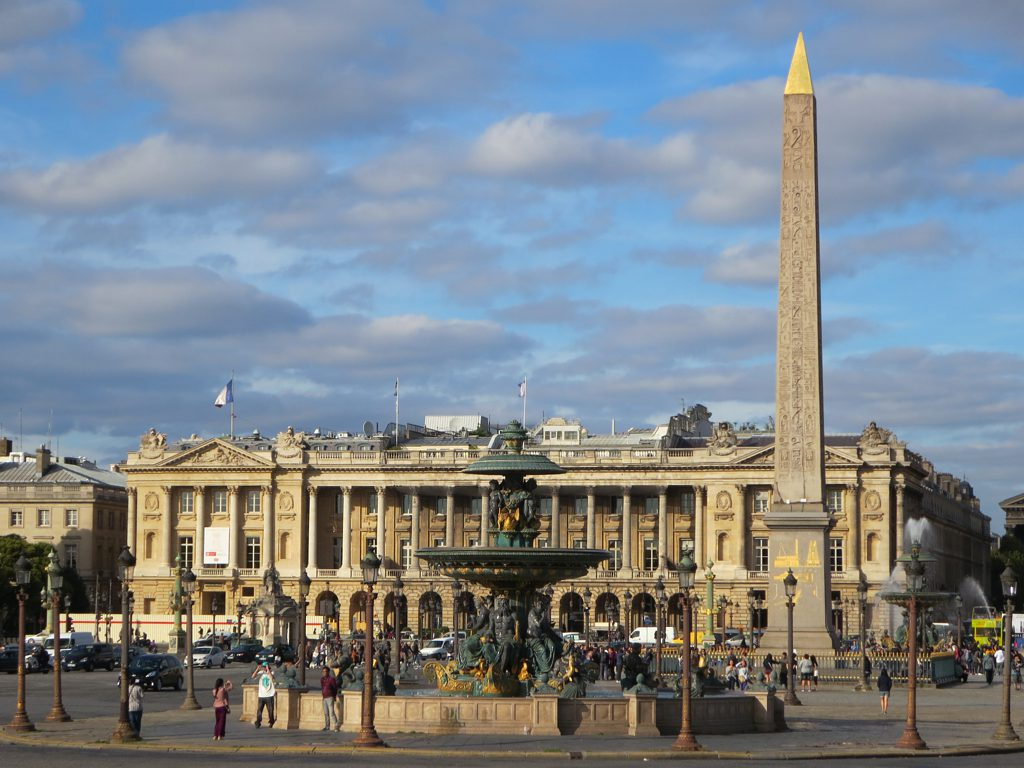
(321, 196)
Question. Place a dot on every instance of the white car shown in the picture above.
(208, 656)
(438, 649)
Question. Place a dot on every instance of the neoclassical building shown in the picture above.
(230, 507)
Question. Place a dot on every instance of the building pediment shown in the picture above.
(216, 453)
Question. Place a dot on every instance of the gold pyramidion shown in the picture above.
(799, 80)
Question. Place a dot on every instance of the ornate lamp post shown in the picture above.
(837, 607)
(862, 607)
(687, 570)
(367, 733)
(759, 606)
(398, 603)
(751, 597)
(627, 597)
(304, 584)
(57, 713)
(911, 739)
(96, 605)
(214, 608)
(456, 596)
(69, 624)
(659, 595)
(125, 570)
(587, 595)
(239, 610)
(23, 577)
(188, 586)
(1005, 730)
(790, 584)
(959, 621)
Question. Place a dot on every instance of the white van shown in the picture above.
(69, 640)
(648, 635)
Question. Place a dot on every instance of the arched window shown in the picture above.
(150, 539)
(282, 551)
(722, 550)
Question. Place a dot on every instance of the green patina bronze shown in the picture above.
(511, 649)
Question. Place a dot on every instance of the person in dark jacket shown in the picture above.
(884, 688)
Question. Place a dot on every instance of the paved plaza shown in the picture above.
(831, 723)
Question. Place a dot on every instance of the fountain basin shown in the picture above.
(512, 569)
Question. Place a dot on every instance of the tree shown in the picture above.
(12, 547)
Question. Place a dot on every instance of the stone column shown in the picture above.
(381, 514)
(900, 485)
(312, 542)
(133, 512)
(743, 527)
(556, 525)
(663, 528)
(346, 530)
(200, 543)
(591, 514)
(416, 509)
(449, 519)
(852, 508)
(699, 555)
(267, 548)
(627, 533)
(167, 530)
(233, 526)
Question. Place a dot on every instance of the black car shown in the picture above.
(89, 656)
(275, 654)
(244, 652)
(157, 671)
(9, 659)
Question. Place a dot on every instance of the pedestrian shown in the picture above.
(814, 670)
(135, 706)
(806, 672)
(884, 687)
(329, 690)
(265, 694)
(221, 707)
(988, 666)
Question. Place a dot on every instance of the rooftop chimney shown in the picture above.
(42, 460)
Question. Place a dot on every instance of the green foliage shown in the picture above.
(1010, 552)
(12, 547)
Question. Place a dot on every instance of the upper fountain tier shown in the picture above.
(515, 463)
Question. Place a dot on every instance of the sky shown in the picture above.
(317, 197)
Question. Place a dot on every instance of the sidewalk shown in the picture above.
(831, 723)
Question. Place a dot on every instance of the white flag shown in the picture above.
(522, 388)
(225, 396)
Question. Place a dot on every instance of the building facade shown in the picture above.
(230, 507)
(69, 503)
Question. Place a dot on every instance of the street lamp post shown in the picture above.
(659, 595)
(587, 595)
(57, 713)
(627, 597)
(686, 569)
(862, 607)
(911, 739)
(758, 627)
(456, 596)
(790, 584)
(367, 733)
(214, 607)
(751, 597)
(304, 584)
(1005, 730)
(959, 621)
(125, 569)
(22, 576)
(398, 604)
(837, 607)
(188, 586)
(239, 610)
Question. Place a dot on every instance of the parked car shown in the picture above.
(438, 649)
(244, 652)
(9, 659)
(207, 656)
(275, 654)
(157, 671)
(88, 657)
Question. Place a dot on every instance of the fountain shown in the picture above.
(511, 649)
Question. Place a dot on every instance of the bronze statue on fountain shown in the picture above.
(511, 648)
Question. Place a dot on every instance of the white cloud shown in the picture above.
(159, 171)
(29, 20)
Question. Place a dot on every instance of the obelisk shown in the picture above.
(798, 522)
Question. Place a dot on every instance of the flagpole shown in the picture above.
(398, 432)
(231, 427)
